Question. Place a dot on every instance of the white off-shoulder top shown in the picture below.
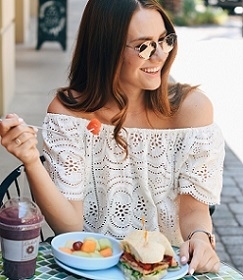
(118, 192)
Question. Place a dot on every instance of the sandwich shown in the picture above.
(147, 255)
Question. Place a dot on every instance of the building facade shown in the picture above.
(14, 27)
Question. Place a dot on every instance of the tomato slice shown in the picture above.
(147, 266)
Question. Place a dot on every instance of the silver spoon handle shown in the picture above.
(40, 127)
(43, 128)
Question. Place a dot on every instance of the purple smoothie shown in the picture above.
(20, 224)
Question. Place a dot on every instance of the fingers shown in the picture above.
(216, 267)
(16, 137)
(24, 147)
(17, 141)
(209, 265)
(8, 123)
(185, 256)
(185, 252)
(200, 256)
(19, 136)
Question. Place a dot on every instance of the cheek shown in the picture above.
(131, 64)
(130, 59)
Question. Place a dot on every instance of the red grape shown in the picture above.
(77, 245)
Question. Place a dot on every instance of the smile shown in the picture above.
(151, 70)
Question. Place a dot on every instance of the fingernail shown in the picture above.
(183, 259)
(21, 120)
(35, 129)
(191, 271)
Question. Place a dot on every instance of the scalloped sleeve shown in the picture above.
(202, 172)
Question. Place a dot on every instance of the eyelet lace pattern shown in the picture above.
(118, 192)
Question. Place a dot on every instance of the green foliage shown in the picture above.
(195, 13)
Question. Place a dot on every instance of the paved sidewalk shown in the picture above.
(228, 217)
(39, 73)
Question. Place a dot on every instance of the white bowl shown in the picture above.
(86, 263)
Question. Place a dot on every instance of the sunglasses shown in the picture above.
(148, 48)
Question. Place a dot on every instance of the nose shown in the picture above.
(159, 53)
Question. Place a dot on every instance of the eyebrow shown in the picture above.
(148, 38)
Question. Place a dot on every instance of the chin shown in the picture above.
(152, 88)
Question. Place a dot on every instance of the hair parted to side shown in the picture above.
(96, 63)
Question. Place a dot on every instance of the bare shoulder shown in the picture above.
(56, 107)
(196, 110)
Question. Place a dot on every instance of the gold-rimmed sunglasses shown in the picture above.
(148, 48)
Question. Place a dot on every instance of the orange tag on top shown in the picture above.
(94, 126)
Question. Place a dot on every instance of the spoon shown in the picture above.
(41, 128)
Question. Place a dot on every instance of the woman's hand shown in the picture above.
(200, 255)
(19, 139)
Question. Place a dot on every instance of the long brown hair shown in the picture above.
(95, 67)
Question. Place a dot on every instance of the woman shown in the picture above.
(158, 155)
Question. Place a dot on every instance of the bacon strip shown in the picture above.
(145, 268)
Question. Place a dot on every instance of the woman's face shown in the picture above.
(136, 73)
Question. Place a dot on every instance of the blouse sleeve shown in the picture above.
(65, 154)
(202, 172)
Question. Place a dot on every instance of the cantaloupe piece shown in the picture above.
(89, 246)
(107, 252)
(65, 250)
(95, 240)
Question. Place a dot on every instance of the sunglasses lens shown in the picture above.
(147, 49)
(169, 42)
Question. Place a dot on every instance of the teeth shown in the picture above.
(151, 70)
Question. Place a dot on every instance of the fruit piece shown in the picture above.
(81, 254)
(105, 243)
(96, 254)
(66, 250)
(77, 245)
(69, 244)
(95, 240)
(107, 252)
(88, 246)
(94, 126)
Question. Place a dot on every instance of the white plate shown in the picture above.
(115, 273)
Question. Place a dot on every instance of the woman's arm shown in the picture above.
(61, 214)
(194, 215)
(20, 140)
(196, 111)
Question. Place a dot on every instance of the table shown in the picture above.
(47, 269)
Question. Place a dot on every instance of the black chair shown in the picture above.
(211, 209)
(11, 187)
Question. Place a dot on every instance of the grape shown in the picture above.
(77, 245)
